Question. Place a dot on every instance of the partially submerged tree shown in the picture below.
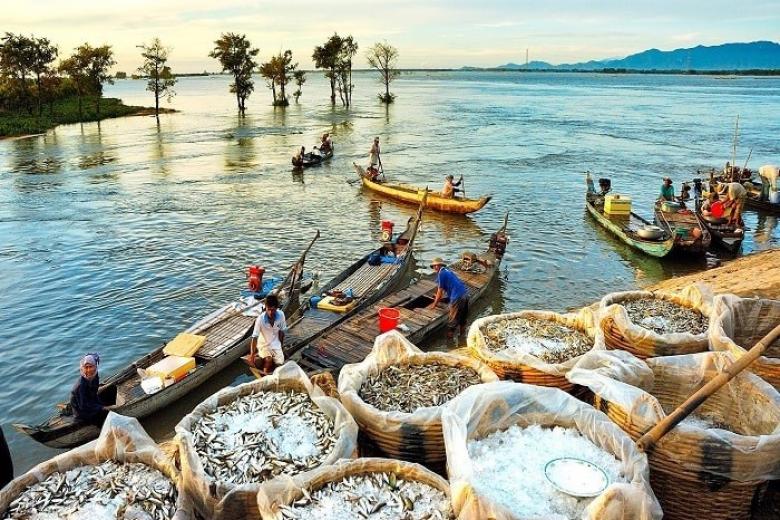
(300, 78)
(237, 56)
(278, 72)
(383, 57)
(349, 48)
(155, 67)
(326, 57)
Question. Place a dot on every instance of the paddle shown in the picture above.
(381, 168)
(649, 439)
(463, 186)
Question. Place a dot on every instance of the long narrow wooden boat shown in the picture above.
(226, 330)
(353, 339)
(755, 202)
(690, 234)
(366, 282)
(625, 228)
(413, 195)
(313, 159)
(728, 238)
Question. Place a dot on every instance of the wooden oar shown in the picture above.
(651, 438)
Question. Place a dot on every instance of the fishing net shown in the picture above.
(210, 494)
(620, 332)
(720, 454)
(524, 365)
(412, 436)
(285, 491)
(739, 323)
(123, 440)
(498, 407)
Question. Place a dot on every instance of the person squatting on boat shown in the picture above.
(268, 336)
(448, 282)
(451, 187)
(87, 405)
(736, 194)
(667, 190)
(326, 144)
(297, 159)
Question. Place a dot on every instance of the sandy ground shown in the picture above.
(753, 275)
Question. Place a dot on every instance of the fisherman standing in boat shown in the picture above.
(451, 187)
(269, 331)
(374, 162)
(87, 405)
(667, 190)
(448, 282)
(736, 194)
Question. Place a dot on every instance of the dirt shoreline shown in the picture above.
(754, 275)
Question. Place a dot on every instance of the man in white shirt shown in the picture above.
(268, 336)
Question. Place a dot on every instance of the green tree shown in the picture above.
(154, 67)
(237, 56)
(75, 67)
(44, 54)
(349, 48)
(300, 79)
(268, 72)
(97, 63)
(326, 57)
(384, 57)
(279, 72)
(17, 57)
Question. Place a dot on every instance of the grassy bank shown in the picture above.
(64, 112)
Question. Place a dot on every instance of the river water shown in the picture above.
(116, 236)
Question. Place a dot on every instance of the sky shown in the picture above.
(427, 34)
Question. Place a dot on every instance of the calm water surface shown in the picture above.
(115, 236)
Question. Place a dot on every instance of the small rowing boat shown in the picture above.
(724, 236)
(413, 195)
(313, 159)
(629, 228)
(226, 331)
(691, 236)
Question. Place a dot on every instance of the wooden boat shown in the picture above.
(313, 159)
(683, 226)
(413, 195)
(724, 236)
(626, 228)
(226, 331)
(755, 202)
(352, 340)
(367, 282)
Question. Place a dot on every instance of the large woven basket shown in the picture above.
(739, 323)
(542, 374)
(274, 495)
(621, 333)
(414, 437)
(686, 470)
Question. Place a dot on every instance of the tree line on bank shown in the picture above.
(32, 82)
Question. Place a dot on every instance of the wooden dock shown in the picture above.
(353, 339)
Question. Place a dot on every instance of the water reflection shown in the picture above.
(159, 150)
(240, 153)
(97, 153)
(765, 230)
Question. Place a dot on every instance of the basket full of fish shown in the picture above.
(380, 489)
(713, 463)
(397, 394)
(535, 347)
(121, 475)
(652, 324)
(518, 451)
(739, 323)
(279, 426)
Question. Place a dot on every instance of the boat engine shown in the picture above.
(255, 278)
(387, 230)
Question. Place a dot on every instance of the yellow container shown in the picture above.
(326, 304)
(184, 345)
(617, 205)
(175, 367)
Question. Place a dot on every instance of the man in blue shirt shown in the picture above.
(457, 294)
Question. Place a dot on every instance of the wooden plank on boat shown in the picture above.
(225, 334)
(365, 278)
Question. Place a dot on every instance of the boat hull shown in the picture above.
(657, 249)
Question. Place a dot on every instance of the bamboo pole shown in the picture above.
(649, 439)
(746, 162)
(734, 151)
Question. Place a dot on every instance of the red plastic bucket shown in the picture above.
(388, 319)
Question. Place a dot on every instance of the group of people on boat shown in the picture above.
(324, 149)
(375, 173)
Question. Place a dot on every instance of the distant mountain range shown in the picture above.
(729, 56)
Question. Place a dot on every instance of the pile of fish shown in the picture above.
(380, 496)
(665, 317)
(109, 490)
(407, 387)
(262, 435)
(546, 340)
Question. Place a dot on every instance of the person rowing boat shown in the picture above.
(451, 187)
